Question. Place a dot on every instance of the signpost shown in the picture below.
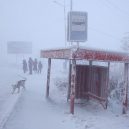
(77, 26)
(76, 32)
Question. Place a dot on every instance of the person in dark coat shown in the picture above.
(30, 64)
(35, 64)
(40, 66)
(24, 66)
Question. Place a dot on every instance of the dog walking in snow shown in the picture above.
(18, 85)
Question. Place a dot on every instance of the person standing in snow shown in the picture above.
(40, 66)
(30, 64)
(24, 66)
(35, 63)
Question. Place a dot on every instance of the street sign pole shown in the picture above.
(70, 16)
(71, 6)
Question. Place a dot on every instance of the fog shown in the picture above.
(42, 22)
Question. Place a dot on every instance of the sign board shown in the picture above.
(77, 26)
(19, 47)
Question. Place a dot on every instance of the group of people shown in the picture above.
(32, 65)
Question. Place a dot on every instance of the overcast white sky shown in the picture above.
(42, 22)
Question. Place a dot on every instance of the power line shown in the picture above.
(117, 8)
(100, 31)
(104, 3)
(110, 6)
(104, 33)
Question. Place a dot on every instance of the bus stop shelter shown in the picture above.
(87, 81)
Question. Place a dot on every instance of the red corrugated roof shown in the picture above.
(85, 53)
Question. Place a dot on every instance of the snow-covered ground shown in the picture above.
(34, 111)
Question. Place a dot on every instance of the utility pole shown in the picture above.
(71, 5)
(65, 23)
(71, 8)
(64, 9)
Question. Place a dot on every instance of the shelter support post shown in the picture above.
(108, 86)
(125, 102)
(69, 81)
(73, 83)
(90, 76)
(48, 77)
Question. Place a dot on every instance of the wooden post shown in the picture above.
(125, 102)
(73, 83)
(48, 77)
(69, 79)
(108, 86)
(90, 77)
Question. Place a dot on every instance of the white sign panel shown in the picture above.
(19, 47)
(77, 26)
(78, 23)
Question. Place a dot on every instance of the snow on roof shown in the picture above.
(85, 53)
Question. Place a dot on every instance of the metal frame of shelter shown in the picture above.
(72, 54)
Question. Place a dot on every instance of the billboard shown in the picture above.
(77, 26)
(19, 47)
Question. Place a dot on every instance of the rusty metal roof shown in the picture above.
(85, 53)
